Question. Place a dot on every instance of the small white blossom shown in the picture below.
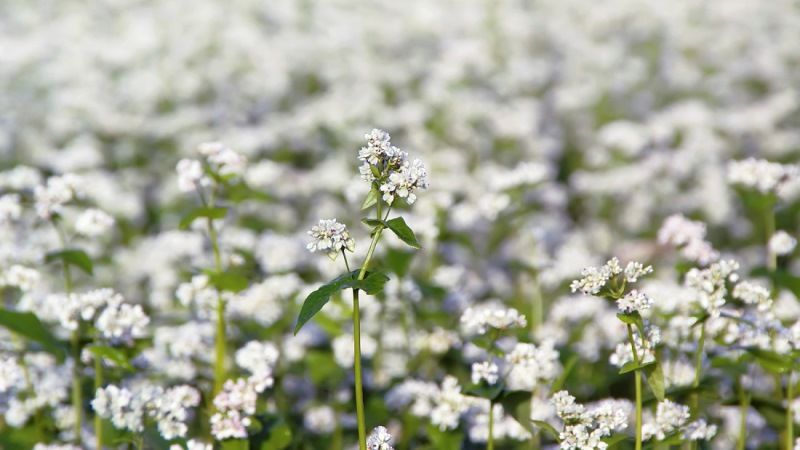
(634, 301)
(479, 319)
(762, 175)
(223, 159)
(331, 237)
(484, 371)
(782, 243)
(191, 175)
(380, 439)
(93, 223)
(10, 208)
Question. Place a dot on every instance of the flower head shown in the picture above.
(330, 236)
(380, 439)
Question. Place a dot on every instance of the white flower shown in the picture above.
(594, 279)
(634, 301)
(55, 193)
(670, 418)
(10, 208)
(190, 175)
(380, 439)
(753, 294)
(709, 284)
(405, 181)
(530, 366)
(484, 371)
(320, 419)
(762, 175)
(479, 319)
(223, 159)
(782, 243)
(330, 236)
(21, 277)
(122, 322)
(689, 236)
(93, 223)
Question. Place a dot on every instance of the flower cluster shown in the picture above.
(380, 439)
(764, 176)
(331, 237)
(390, 168)
(609, 278)
(480, 319)
(689, 236)
(529, 366)
(584, 428)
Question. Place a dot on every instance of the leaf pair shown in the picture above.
(371, 284)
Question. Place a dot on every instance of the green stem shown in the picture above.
(744, 406)
(698, 367)
(638, 379)
(490, 439)
(789, 412)
(537, 309)
(98, 421)
(77, 394)
(769, 230)
(219, 338)
(362, 429)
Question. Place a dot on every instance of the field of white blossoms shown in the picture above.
(578, 230)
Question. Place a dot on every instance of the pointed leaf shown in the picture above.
(547, 428)
(371, 284)
(280, 437)
(655, 379)
(73, 257)
(406, 234)
(228, 281)
(630, 366)
(372, 198)
(203, 211)
(26, 324)
(518, 405)
(112, 354)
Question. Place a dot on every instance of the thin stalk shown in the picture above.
(789, 412)
(638, 379)
(490, 439)
(698, 367)
(769, 230)
(219, 338)
(362, 429)
(744, 406)
(98, 421)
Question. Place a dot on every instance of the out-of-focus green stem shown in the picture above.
(789, 412)
(490, 438)
(219, 338)
(98, 421)
(638, 380)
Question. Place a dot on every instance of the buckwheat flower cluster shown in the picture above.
(52, 382)
(10, 208)
(320, 419)
(128, 408)
(331, 237)
(609, 277)
(191, 175)
(689, 236)
(235, 404)
(12, 375)
(93, 223)
(40, 446)
(782, 243)
(380, 439)
(485, 370)
(72, 308)
(672, 418)
(390, 168)
(753, 294)
(449, 404)
(122, 322)
(51, 197)
(259, 359)
(709, 284)
(20, 277)
(224, 160)
(480, 319)
(584, 428)
(762, 175)
(505, 426)
(530, 366)
(634, 301)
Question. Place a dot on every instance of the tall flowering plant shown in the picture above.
(393, 178)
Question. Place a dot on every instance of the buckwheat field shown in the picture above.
(411, 225)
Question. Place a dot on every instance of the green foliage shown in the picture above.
(72, 257)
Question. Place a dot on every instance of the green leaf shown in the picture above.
(27, 325)
(280, 436)
(518, 405)
(445, 440)
(484, 390)
(771, 361)
(235, 444)
(112, 354)
(615, 439)
(240, 192)
(547, 428)
(630, 366)
(398, 225)
(371, 284)
(73, 257)
(372, 222)
(203, 211)
(227, 281)
(655, 379)
(372, 198)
